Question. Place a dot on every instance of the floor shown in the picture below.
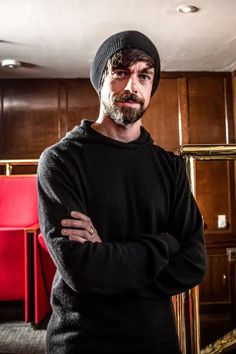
(16, 336)
(212, 327)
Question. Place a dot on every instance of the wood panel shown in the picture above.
(210, 122)
(234, 99)
(83, 102)
(29, 119)
(207, 110)
(212, 191)
(37, 113)
(216, 288)
(162, 117)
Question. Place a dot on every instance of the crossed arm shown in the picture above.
(170, 263)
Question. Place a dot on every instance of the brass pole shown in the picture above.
(8, 169)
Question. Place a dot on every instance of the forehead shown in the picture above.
(128, 56)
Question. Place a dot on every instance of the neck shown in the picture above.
(106, 126)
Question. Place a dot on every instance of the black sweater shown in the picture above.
(114, 296)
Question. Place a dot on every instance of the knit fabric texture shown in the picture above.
(116, 42)
(115, 296)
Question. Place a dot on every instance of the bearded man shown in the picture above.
(118, 217)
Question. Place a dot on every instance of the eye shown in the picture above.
(144, 77)
(119, 74)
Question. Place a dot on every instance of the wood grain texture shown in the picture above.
(187, 108)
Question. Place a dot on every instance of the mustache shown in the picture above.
(129, 97)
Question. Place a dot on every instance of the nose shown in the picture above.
(131, 84)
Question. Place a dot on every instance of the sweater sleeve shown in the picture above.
(186, 268)
(102, 268)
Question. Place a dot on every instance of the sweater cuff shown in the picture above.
(172, 243)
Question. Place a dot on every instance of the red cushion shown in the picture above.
(11, 265)
(18, 210)
(44, 272)
(18, 198)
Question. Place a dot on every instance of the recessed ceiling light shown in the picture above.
(11, 63)
(187, 9)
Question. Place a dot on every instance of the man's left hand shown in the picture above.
(80, 228)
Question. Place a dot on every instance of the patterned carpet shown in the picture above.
(20, 337)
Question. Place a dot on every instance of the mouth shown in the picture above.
(128, 101)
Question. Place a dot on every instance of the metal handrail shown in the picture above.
(21, 162)
(209, 152)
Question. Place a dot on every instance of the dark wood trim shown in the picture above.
(183, 110)
(177, 74)
(62, 110)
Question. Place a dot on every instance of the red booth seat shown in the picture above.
(26, 268)
(11, 264)
(44, 270)
(18, 212)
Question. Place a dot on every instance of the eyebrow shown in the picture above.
(146, 70)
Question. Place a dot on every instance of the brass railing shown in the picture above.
(8, 164)
(192, 153)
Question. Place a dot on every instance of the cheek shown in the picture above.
(116, 86)
(110, 88)
(147, 97)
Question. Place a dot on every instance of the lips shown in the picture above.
(128, 102)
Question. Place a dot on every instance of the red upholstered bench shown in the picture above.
(18, 213)
(26, 268)
(44, 270)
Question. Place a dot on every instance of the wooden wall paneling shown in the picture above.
(207, 110)
(215, 290)
(234, 100)
(229, 109)
(216, 301)
(211, 122)
(210, 116)
(232, 266)
(29, 117)
(234, 116)
(62, 110)
(83, 102)
(234, 120)
(213, 195)
(183, 112)
(162, 117)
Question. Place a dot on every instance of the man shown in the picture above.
(118, 217)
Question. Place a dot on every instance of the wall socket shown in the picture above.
(231, 252)
(221, 222)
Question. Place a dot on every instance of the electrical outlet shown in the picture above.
(231, 252)
(222, 222)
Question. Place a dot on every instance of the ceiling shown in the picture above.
(59, 38)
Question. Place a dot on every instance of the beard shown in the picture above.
(124, 115)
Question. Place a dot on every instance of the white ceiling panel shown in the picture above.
(58, 38)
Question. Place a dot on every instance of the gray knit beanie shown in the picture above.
(116, 42)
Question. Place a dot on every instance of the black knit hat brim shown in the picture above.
(116, 42)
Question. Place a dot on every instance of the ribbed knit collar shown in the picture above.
(86, 133)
